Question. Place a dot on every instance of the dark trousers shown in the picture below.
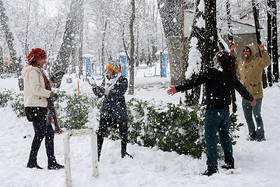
(103, 126)
(217, 120)
(42, 130)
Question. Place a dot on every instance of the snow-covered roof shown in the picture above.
(158, 52)
(121, 54)
(88, 55)
(239, 27)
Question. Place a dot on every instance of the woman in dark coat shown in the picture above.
(219, 82)
(113, 112)
(39, 108)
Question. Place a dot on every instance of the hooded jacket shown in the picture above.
(35, 93)
(113, 106)
(250, 71)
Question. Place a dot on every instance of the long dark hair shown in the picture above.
(227, 61)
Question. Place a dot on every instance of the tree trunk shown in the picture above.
(231, 42)
(211, 36)
(65, 51)
(131, 56)
(1, 60)
(274, 42)
(81, 37)
(269, 31)
(175, 52)
(257, 26)
(103, 47)
(170, 12)
(8, 36)
(192, 96)
(26, 49)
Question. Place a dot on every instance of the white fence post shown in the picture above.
(67, 153)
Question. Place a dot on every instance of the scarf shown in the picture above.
(51, 113)
(109, 83)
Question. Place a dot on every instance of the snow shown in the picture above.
(257, 163)
(200, 22)
(194, 62)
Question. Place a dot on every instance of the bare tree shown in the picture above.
(130, 57)
(274, 41)
(231, 42)
(211, 36)
(257, 26)
(67, 46)
(198, 33)
(170, 12)
(8, 35)
(269, 34)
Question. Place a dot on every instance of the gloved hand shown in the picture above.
(106, 92)
(92, 82)
(232, 47)
(54, 96)
(58, 74)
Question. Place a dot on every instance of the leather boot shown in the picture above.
(53, 165)
(32, 163)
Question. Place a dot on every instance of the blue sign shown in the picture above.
(123, 64)
(163, 64)
(88, 66)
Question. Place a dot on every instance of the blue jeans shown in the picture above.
(217, 120)
(256, 111)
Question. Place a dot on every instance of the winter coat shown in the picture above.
(35, 93)
(114, 103)
(219, 87)
(250, 71)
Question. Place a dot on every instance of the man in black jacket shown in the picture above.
(113, 112)
(219, 85)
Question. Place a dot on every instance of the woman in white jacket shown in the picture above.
(37, 95)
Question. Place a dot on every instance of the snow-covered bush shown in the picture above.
(169, 127)
(18, 105)
(5, 96)
(76, 115)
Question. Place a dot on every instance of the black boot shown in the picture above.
(124, 154)
(32, 163)
(210, 171)
(253, 137)
(53, 165)
(228, 166)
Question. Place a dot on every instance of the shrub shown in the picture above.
(76, 112)
(18, 105)
(5, 96)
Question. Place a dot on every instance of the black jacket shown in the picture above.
(114, 103)
(219, 87)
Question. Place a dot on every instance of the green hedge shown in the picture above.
(169, 127)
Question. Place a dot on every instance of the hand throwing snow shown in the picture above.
(172, 90)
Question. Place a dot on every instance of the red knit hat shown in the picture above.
(36, 54)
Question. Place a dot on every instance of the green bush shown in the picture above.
(18, 105)
(5, 96)
(169, 127)
(76, 112)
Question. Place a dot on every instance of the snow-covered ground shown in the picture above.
(257, 163)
